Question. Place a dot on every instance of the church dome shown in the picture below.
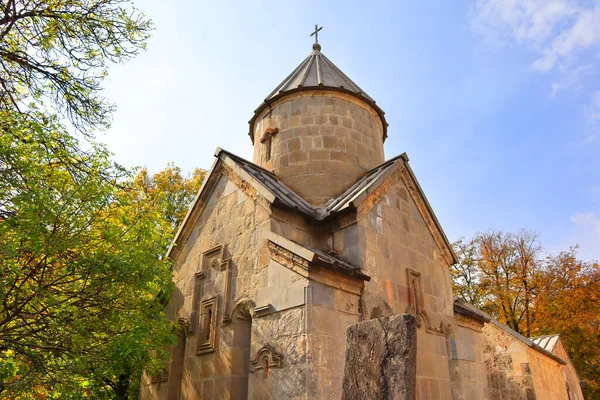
(317, 72)
(318, 131)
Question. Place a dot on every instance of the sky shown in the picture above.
(496, 102)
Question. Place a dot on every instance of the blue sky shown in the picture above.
(496, 102)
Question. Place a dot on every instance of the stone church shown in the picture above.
(278, 257)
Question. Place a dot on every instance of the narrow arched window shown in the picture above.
(267, 143)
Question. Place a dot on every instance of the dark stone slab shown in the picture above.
(381, 359)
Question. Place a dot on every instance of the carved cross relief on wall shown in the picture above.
(416, 302)
(207, 299)
(265, 359)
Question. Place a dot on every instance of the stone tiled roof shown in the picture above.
(290, 199)
(463, 305)
(546, 342)
(275, 191)
(317, 72)
(347, 201)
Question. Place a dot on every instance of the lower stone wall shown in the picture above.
(569, 373)
(518, 371)
(330, 312)
(507, 364)
(467, 369)
(548, 380)
(433, 374)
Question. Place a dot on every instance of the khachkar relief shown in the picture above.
(211, 299)
(416, 305)
(265, 359)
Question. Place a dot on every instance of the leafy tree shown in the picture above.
(80, 246)
(171, 191)
(465, 275)
(504, 274)
(569, 305)
(80, 266)
(499, 272)
(55, 53)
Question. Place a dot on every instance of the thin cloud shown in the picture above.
(586, 233)
(587, 220)
(592, 117)
(571, 79)
(556, 30)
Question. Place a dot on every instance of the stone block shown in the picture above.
(381, 359)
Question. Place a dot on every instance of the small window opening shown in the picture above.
(266, 369)
(206, 328)
(209, 325)
(267, 145)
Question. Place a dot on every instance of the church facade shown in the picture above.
(277, 257)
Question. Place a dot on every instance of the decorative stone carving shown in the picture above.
(416, 304)
(161, 377)
(265, 359)
(206, 337)
(212, 258)
(185, 325)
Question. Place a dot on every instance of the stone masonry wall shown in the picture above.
(333, 306)
(547, 376)
(388, 240)
(569, 372)
(517, 371)
(467, 369)
(325, 142)
(233, 220)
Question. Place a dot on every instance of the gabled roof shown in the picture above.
(276, 192)
(464, 308)
(288, 198)
(317, 72)
(546, 342)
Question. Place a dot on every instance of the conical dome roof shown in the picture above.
(317, 72)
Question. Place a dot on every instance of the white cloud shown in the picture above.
(590, 220)
(555, 29)
(586, 233)
(572, 78)
(592, 117)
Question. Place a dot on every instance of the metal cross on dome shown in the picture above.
(316, 33)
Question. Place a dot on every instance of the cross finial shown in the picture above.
(316, 33)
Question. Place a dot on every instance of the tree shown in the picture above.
(80, 266)
(171, 191)
(499, 272)
(80, 248)
(504, 274)
(54, 55)
(465, 275)
(568, 305)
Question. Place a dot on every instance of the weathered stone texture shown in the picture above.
(569, 372)
(325, 142)
(381, 359)
(517, 371)
(547, 376)
(388, 239)
(465, 359)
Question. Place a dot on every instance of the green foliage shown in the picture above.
(80, 267)
(80, 245)
(55, 53)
